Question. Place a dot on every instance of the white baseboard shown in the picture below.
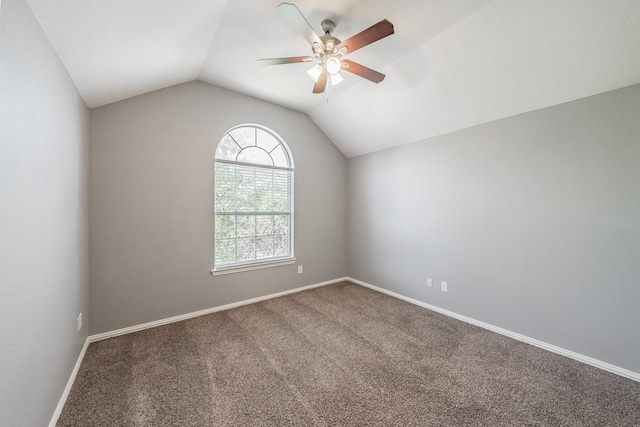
(130, 329)
(555, 349)
(67, 389)
(546, 346)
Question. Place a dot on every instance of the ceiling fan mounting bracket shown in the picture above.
(328, 26)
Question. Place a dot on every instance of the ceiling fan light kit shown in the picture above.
(314, 72)
(332, 64)
(328, 51)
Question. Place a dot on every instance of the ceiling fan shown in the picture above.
(328, 51)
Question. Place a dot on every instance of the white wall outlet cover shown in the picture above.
(299, 269)
(79, 322)
(443, 286)
(429, 282)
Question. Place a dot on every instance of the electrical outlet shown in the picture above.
(79, 322)
(430, 282)
(299, 269)
(443, 286)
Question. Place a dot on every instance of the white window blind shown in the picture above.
(253, 199)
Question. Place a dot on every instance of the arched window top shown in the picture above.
(254, 144)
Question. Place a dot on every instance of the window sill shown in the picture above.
(253, 266)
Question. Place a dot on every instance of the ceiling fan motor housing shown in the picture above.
(328, 40)
(330, 43)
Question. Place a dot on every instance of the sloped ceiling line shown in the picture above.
(451, 64)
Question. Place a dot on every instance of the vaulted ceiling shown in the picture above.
(451, 64)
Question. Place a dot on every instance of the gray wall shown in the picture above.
(533, 220)
(151, 204)
(43, 221)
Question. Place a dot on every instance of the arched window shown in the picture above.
(253, 200)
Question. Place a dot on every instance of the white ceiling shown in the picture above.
(451, 64)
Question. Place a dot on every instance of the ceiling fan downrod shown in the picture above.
(328, 40)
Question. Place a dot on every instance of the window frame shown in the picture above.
(255, 264)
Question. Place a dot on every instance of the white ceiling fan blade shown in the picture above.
(298, 21)
(290, 60)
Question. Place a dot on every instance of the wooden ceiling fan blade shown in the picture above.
(321, 83)
(362, 71)
(298, 21)
(372, 34)
(290, 60)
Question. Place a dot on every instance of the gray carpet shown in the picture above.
(338, 355)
